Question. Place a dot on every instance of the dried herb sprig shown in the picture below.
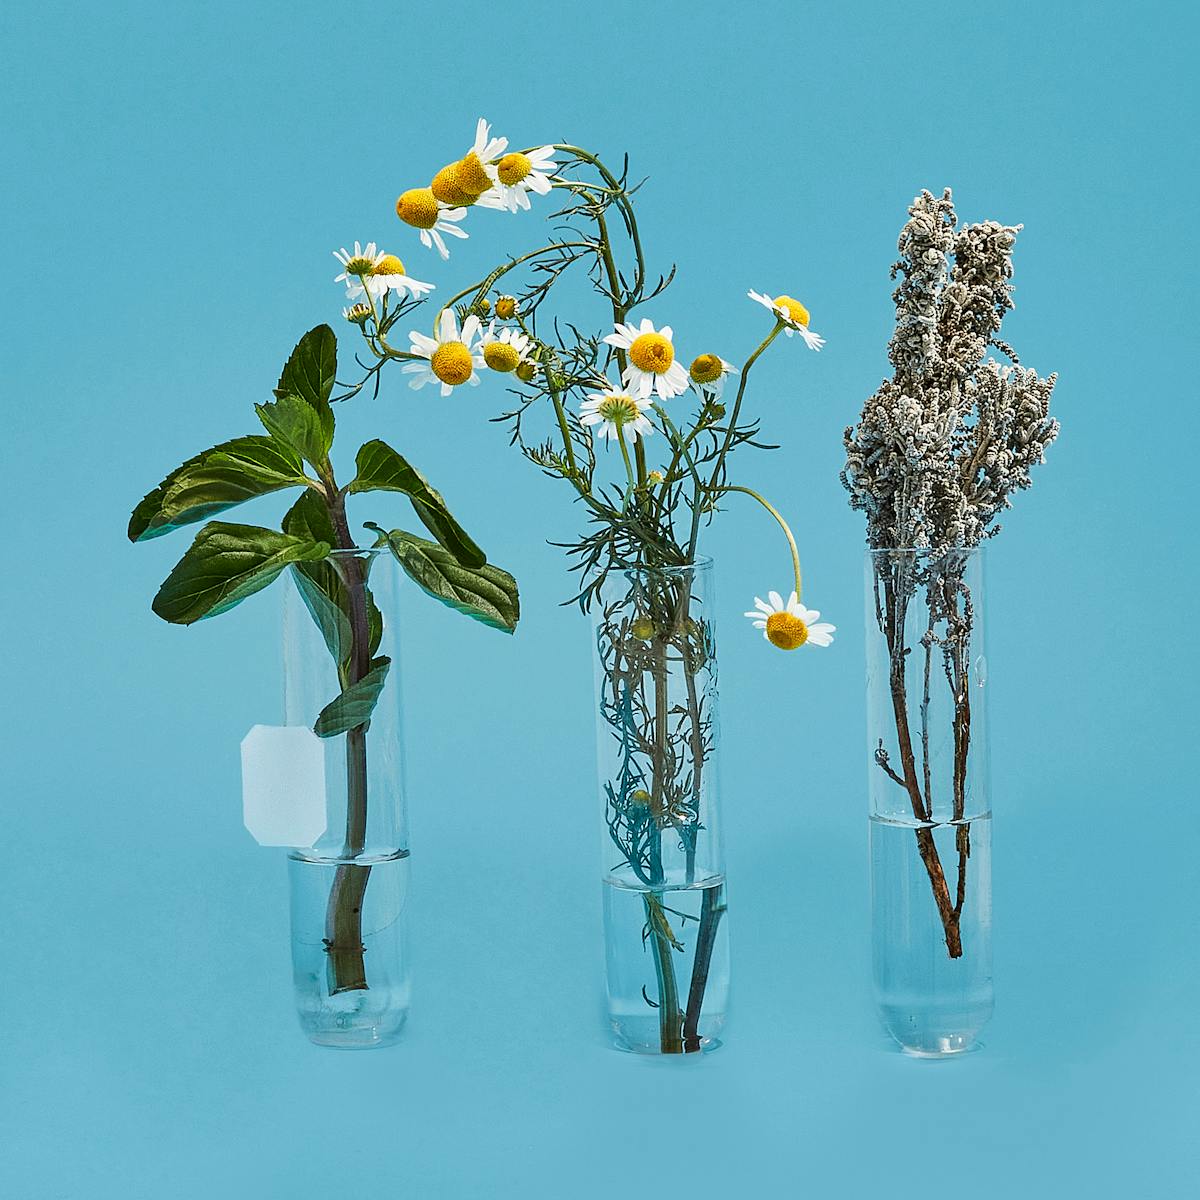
(941, 447)
(936, 456)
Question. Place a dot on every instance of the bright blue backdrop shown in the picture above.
(174, 179)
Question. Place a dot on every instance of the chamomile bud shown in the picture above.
(506, 307)
(643, 628)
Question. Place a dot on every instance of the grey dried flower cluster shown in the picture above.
(942, 445)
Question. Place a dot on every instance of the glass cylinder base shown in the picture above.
(934, 998)
(350, 997)
(669, 946)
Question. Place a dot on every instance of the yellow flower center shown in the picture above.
(652, 352)
(470, 177)
(526, 371)
(655, 478)
(445, 188)
(359, 264)
(785, 631)
(512, 168)
(796, 312)
(452, 364)
(389, 264)
(500, 356)
(706, 369)
(506, 307)
(618, 409)
(418, 207)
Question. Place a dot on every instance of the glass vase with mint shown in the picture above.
(341, 690)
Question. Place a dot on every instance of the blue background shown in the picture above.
(174, 180)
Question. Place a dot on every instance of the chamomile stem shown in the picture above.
(489, 280)
(616, 188)
(564, 429)
(729, 434)
(681, 448)
(628, 465)
(782, 525)
(388, 352)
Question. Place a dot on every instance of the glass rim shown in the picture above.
(702, 562)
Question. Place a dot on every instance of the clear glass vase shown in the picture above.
(665, 926)
(930, 810)
(348, 889)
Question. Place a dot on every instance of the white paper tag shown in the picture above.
(283, 785)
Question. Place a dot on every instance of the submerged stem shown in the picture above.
(670, 1019)
(343, 920)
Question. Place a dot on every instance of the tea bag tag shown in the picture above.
(283, 785)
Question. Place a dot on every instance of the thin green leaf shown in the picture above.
(225, 564)
(293, 421)
(356, 704)
(214, 480)
(382, 469)
(487, 594)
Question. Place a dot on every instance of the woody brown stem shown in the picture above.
(926, 846)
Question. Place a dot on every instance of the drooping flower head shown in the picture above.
(356, 263)
(389, 275)
(793, 314)
(463, 183)
(617, 414)
(453, 356)
(790, 626)
(650, 360)
(420, 208)
(505, 349)
(519, 174)
(708, 372)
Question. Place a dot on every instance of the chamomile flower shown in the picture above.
(519, 174)
(793, 314)
(789, 626)
(617, 414)
(473, 176)
(421, 209)
(651, 365)
(356, 263)
(708, 372)
(389, 276)
(504, 350)
(453, 356)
